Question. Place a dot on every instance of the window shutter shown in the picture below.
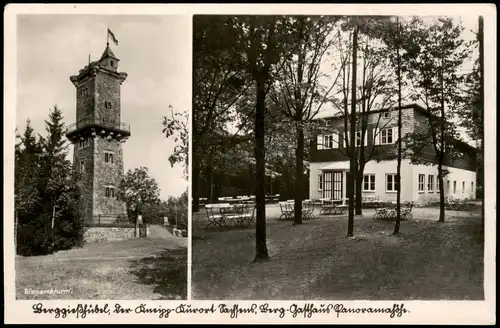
(320, 142)
(376, 136)
(335, 137)
(365, 141)
(395, 136)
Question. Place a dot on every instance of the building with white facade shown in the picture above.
(329, 165)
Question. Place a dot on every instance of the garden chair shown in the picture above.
(286, 211)
(406, 211)
(214, 215)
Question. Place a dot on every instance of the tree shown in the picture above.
(434, 72)
(138, 190)
(59, 188)
(176, 126)
(28, 150)
(220, 80)
(298, 90)
(264, 41)
(50, 219)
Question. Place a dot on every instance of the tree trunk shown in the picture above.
(398, 171)
(442, 125)
(441, 192)
(211, 177)
(299, 168)
(352, 136)
(15, 229)
(260, 166)
(481, 106)
(359, 189)
(136, 230)
(52, 226)
(195, 186)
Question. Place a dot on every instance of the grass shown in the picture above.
(146, 268)
(427, 261)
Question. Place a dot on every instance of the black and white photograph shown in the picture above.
(338, 157)
(249, 163)
(101, 186)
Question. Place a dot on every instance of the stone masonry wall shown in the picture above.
(85, 154)
(85, 101)
(108, 89)
(107, 174)
(99, 234)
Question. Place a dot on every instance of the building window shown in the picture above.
(327, 123)
(112, 63)
(463, 187)
(110, 192)
(328, 141)
(454, 187)
(82, 166)
(319, 142)
(108, 157)
(421, 182)
(369, 182)
(386, 136)
(430, 183)
(448, 186)
(358, 138)
(107, 104)
(390, 182)
(387, 114)
(437, 184)
(320, 181)
(472, 187)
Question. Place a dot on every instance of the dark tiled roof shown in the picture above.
(108, 53)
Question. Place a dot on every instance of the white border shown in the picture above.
(425, 312)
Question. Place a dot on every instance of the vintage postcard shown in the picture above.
(99, 211)
(250, 164)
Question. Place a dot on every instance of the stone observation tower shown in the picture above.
(97, 137)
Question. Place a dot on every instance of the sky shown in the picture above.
(152, 51)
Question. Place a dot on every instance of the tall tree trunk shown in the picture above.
(481, 106)
(211, 178)
(52, 227)
(195, 185)
(441, 192)
(15, 229)
(352, 136)
(442, 125)
(299, 168)
(359, 188)
(260, 165)
(398, 171)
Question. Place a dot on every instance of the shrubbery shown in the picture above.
(46, 192)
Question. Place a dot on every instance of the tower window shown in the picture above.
(107, 104)
(108, 157)
(112, 63)
(110, 192)
(82, 166)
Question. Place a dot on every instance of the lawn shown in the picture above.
(427, 261)
(146, 268)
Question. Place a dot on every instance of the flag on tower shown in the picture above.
(110, 34)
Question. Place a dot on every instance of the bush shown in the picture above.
(69, 230)
(34, 235)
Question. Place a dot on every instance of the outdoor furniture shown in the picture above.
(330, 206)
(225, 215)
(215, 218)
(286, 211)
(308, 209)
(390, 211)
